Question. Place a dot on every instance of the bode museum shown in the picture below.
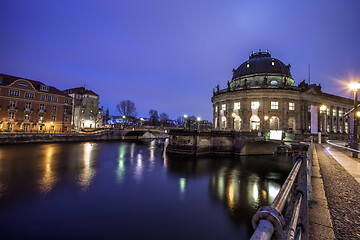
(262, 96)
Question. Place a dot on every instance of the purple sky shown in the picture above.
(168, 55)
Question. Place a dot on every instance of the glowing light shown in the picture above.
(276, 134)
(255, 193)
(185, 116)
(354, 86)
(182, 182)
(124, 117)
(51, 123)
(323, 108)
(198, 119)
(358, 114)
(266, 118)
(233, 114)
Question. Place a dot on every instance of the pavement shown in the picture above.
(334, 211)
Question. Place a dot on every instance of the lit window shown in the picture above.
(53, 118)
(41, 117)
(11, 115)
(291, 106)
(273, 83)
(216, 108)
(223, 107)
(27, 116)
(272, 63)
(309, 108)
(255, 105)
(237, 106)
(328, 112)
(42, 107)
(248, 65)
(340, 113)
(274, 105)
(334, 112)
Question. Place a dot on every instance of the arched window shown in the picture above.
(254, 123)
(223, 123)
(274, 123)
(291, 124)
(237, 123)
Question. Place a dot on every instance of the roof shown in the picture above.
(262, 62)
(80, 90)
(6, 80)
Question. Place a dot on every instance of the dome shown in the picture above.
(262, 63)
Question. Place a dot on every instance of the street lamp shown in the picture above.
(323, 111)
(233, 116)
(198, 120)
(355, 87)
(266, 118)
(185, 116)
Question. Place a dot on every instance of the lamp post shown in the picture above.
(233, 120)
(355, 87)
(198, 120)
(322, 112)
(185, 116)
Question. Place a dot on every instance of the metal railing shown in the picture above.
(268, 221)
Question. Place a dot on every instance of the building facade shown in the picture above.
(32, 106)
(86, 111)
(262, 96)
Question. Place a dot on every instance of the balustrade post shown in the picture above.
(300, 151)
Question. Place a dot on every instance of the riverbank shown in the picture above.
(16, 138)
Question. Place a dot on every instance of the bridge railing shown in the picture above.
(268, 221)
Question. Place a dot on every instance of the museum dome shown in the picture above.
(262, 63)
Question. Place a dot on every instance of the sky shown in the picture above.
(168, 55)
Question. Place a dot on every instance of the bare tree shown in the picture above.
(164, 118)
(126, 108)
(154, 117)
(96, 114)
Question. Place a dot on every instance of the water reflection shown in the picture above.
(2, 184)
(48, 180)
(88, 172)
(121, 166)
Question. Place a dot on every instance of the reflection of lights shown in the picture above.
(121, 166)
(152, 150)
(255, 193)
(230, 195)
(48, 181)
(132, 150)
(221, 183)
(182, 182)
(88, 173)
(138, 168)
(273, 190)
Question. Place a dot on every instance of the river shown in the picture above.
(125, 190)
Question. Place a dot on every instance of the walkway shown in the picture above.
(335, 208)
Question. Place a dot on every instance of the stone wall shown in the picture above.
(218, 142)
(48, 138)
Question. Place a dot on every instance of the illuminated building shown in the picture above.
(28, 105)
(262, 96)
(86, 111)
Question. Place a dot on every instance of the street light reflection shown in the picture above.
(88, 173)
(47, 182)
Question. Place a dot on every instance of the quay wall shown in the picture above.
(218, 142)
(16, 138)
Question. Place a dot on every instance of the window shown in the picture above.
(248, 65)
(274, 105)
(14, 93)
(41, 118)
(223, 107)
(237, 106)
(11, 115)
(273, 82)
(53, 118)
(65, 110)
(10, 127)
(44, 88)
(328, 112)
(54, 108)
(29, 95)
(78, 96)
(22, 85)
(27, 105)
(291, 106)
(12, 104)
(65, 128)
(42, 106)
(49, 98)
(255, 105)
(66, 101)
(55, 99)
(334, 112)
(42, 97)
(27, 116)
(66, 119)
(340, 113)
(216, 108)
(309, 108)
(272, 63)
(52, 128)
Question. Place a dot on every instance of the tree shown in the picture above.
(96, 114)
(164, 118)
(154, 117)
(126, 108)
